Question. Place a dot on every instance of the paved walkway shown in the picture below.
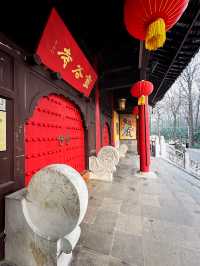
(194, 154)
(142, 222)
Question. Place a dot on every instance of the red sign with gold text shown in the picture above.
(59, 51)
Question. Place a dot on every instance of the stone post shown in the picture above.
(186, 160)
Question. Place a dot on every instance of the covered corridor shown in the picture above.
(142, 222)
(76, 90)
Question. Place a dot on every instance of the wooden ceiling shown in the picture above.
(99, 30)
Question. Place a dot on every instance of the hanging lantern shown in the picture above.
(141, 89)
(122, 104)
(149, 20)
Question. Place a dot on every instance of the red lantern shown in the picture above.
(135, 110)
(150, 19)
(141, 89)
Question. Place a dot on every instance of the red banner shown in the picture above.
(59, 52)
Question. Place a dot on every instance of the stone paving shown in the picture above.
(142, 222)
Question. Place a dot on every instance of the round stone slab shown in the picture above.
(56, 201)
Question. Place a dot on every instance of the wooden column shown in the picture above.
(144, 137)
(144, 131)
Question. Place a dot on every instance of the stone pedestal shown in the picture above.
(157, 147)
(22, 246)
(146, 175)
(42, 221)
(163, 152)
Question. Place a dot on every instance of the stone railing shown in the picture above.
(182, 159)
(176, 156)
(158, 146)
(195, 167)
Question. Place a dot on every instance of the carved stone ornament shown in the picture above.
(103, 166)
(123, 148)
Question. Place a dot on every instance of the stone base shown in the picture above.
(147, 175)
(23, 247)
(107, 178)
(38, 231)
(64, 259)
(6, 263)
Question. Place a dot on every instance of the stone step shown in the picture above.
(6, 263)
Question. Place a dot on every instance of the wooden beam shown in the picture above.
(114, 70)
(113, 88)
(179, 49)
(143, 61)
(172, 77)
(156, 76)
(159, 72)
(162, 58)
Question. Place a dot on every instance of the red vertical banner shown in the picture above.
(98, 120)
(59, 52)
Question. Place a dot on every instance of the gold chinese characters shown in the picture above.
(88, 80)
(78, 71)
(65, 56)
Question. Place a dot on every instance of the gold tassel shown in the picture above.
(141, 100)
(156, 35)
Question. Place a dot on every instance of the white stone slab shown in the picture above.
(56, 201)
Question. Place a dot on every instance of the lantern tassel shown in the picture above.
(156, 35)
(141, 100)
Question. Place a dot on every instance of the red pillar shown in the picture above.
(98, 119)
(144, 137)
(138, 134)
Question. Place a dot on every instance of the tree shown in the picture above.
(179, 111)
(173, 102)
(159, 116)
(186, 83)
(197, 107)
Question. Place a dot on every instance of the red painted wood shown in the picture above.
(113, 126)
(144, 137)
(54, 116)
(106, 137)
(97, 117)
(138, 136)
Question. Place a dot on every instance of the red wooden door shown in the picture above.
(106, 135)
(54, 134)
